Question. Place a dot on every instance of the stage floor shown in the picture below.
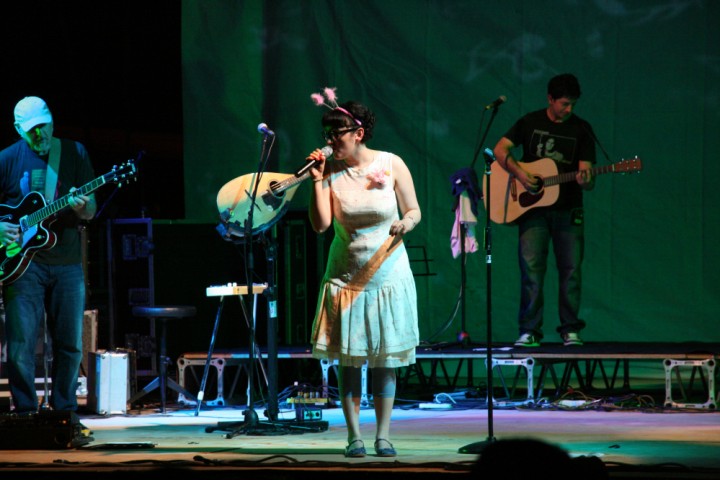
(628, 432)
(630, 443)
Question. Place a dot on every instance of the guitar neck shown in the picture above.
(62, 202)
(290, 182)
(570, 176)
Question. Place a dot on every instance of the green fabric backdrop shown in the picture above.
(650, 74)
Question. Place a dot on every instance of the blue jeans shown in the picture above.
(59, 292)
(566, 230)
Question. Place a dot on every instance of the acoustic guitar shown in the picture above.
(509, 199)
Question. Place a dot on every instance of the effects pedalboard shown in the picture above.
(45, 430)
(307, 405)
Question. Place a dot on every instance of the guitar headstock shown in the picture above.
(122, 174)
(631, 165)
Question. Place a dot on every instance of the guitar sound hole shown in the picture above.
(538, 188)
(271, 200)
(273, 187)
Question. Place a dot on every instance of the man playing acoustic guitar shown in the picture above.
(551, 133)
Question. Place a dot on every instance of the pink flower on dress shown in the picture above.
(377, 178)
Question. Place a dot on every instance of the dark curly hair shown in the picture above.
(564, 85)
(333, 119)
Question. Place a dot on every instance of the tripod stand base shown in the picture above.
(477, 447)
(252, 426)
(155, 385)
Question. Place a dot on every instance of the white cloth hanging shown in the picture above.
(464, 215)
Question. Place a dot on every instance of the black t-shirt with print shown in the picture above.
(565, 143)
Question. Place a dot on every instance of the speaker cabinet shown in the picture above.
(131, 282)
(304, 255)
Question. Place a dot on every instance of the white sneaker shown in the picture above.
(527, 340)
(571, 338)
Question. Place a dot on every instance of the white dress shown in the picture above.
(367, 305)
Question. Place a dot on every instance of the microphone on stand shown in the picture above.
(326, 150)
(489, 154)
(263, 128)
(499, 101)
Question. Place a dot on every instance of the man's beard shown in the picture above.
(42, 147)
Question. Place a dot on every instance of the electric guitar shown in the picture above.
(509, 199)
(274, 192)
(35, 217)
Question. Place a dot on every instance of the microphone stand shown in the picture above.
(478, 447)
(251, 418)
(251, 422)
(252, 425)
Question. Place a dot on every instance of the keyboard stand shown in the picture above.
(223, 291)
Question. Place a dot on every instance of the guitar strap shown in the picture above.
(52, 170)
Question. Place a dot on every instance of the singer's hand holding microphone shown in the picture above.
(316, 163)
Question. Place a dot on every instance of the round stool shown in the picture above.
(162, 314)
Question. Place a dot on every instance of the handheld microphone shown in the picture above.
(499, 101)
(305, 169)
(263, 128)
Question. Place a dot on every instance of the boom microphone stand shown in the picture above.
(251, 424)
(250, 416)
(478, 447)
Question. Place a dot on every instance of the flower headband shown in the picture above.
(331, 102)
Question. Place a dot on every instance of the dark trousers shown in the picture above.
(537, 230)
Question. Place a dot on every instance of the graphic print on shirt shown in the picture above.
(558, 147)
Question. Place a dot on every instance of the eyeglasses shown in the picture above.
(333, 135)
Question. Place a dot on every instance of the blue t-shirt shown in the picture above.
(23, 171)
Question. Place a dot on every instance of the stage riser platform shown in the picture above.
(519, 375)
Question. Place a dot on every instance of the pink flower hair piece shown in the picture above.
(320, 98)
(329, 94)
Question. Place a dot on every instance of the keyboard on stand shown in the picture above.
(234, 289)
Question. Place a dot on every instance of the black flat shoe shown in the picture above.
(388, 451)
(358, 451)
